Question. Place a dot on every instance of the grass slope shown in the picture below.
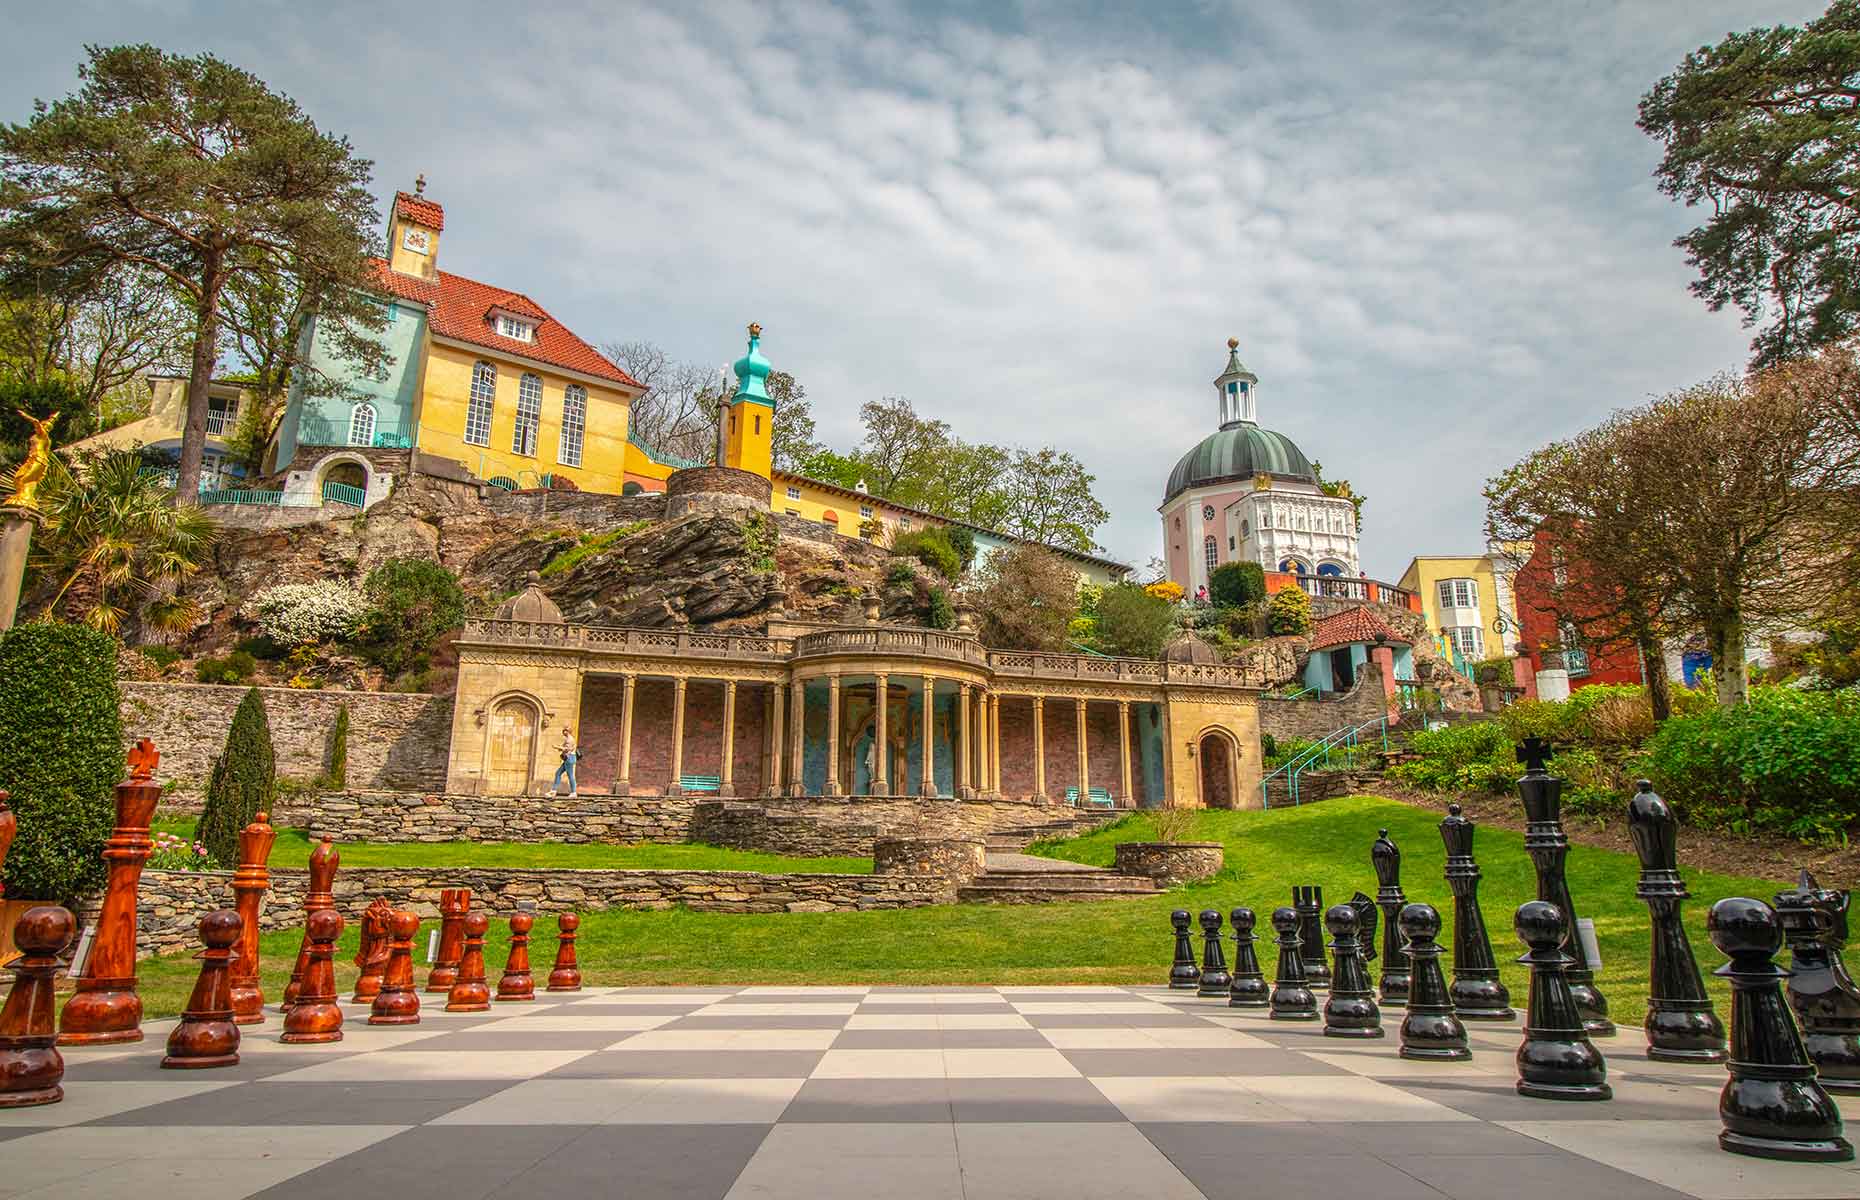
(1124, 941)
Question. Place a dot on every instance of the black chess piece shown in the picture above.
(1387, 860)
(1548, 846)
(1214, 977)
(1308, 901)
(1368, 925)
(1291, 999)
(1429, 1030)
(1823, 994)
(1249, 988)
(1184, 975)
(1772, 1106)
(1350, 1010)
(1681, 1026)
(1478, 993)
(1556, 1061)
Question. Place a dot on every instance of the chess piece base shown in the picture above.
(39, 1065)
(1481, 1000)
(563, 987)
(1248, 998)
(1436, 1054)
(171, 1063)
(503, 999)
(484, 1007)
(102, 1014)
(1214, 984)
(1699, 1056)
(1294, 1016)
(1819, 1150)
(1566, 1091)
(1486, 1014)
(441, 979)
(1374, 1031)
(1185, 985)
(310, 1039)
(49, 1095)
(117, 1037)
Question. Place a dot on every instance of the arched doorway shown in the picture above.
(347, 472)
(510, 761)
(1220, 769)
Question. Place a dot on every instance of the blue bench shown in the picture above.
(699, 783)
(1095, 797)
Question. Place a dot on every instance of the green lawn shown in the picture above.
(1123, 941)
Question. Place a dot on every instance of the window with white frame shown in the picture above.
(362, 425)
(574, 425)
(794, 493)
(222, 415)
(1210, 552)
(865, 512)
(529, 415)
(904, 522)
(1469, 640)
(515, 330)
(1459, 593)
(483, 398)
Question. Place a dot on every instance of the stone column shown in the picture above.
(676, 788)
(797, 744)
(726, 776)
(777, 695)
(1084, 758)
(881, 761)
(1039, 748)
(1129, 798)
(994, 743)
(17, 522)
(623, 786)
(833, 735)
(967, 756)
(929, 733)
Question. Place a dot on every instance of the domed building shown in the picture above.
(1247, 494)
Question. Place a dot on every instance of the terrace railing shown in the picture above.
(344, 493)
(618, 639)
(884, 639)
(1348, 587)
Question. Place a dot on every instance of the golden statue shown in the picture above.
(1262, 482)
(29, 474)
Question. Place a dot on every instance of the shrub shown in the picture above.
(1165, 589)
(1133, 622)
(1617, 715)
(337, 776)
(298, 614)
(162, 656)
(61, 755)
(1237, 584)
(413, 602)
(241, 783)
(1289, 614)
(1787, 762)
(1026, 599)
(963, 543)
(900, 574)
(1546, 719)
(931, 548)
(1477, 756)
(939, 613)
(236, 667)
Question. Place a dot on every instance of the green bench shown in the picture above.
(699, 783)
(1095, 797)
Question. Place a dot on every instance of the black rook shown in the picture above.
(1308, 900)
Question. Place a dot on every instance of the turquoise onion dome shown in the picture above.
(752, 371)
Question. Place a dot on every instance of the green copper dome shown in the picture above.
(752, 370)
(1238, 451)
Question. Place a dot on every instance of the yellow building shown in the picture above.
(161, 429)
(1468, 599)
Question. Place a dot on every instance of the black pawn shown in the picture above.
(1214, 977)
(1308, 900)
(1478, 993)
(1772, 1106)
(1556, 1061)
(1249, 988)
(1291, 999)
(1681, 1026)
(1548, 846)
(1350, 1011)
(1184, 975)
(1430, 1030)
(1824, 996)
(1387, 861)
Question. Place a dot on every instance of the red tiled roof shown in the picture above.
(1350, 626)
(460, 308)
(419, 208)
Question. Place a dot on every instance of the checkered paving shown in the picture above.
(966, 1093)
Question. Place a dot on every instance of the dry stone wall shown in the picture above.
(434, 817)
(1312, 719)
(813, 826)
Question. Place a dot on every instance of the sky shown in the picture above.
(1432, 225)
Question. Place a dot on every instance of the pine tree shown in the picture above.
(242, 782)
(337, 777)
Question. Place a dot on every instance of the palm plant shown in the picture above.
(117, 544)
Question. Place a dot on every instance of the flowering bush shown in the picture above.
(176, 853)
(1165, 589)
(298, 614)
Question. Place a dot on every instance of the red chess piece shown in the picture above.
(207, 1035)
(469, 993)
(250, 883)
(454, 903)
(398, 1003)
(105, 1008)
(9, 825)
(516, 982)
(372, 955)
(565, 976)
(323, 863)
(316, 1017)
(30, 1065)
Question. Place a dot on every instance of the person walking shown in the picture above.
(568, 764)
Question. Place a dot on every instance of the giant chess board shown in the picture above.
(965, 1093)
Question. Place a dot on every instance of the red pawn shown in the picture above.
(469, 993)
(207, 1035)
(565, 976)
(30, 1065)
(315, 1016)
(454, 903)
(397, 1003)
(517, 983)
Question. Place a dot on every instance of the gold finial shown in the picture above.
(755, 329)
(1233, 343)
(419, 184)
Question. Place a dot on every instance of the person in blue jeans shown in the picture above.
(568, 764)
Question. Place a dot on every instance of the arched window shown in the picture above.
(483, 398)
(1330, 569)
(362, 425)
(574, 423)
(1294, 566)
(529, 415)
(1211, 551)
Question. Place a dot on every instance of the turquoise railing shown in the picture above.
(1342, 743)
(242, 496)
(344, 493)
(502, 481)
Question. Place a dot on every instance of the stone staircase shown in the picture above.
(1008, 880)
(1016, 838)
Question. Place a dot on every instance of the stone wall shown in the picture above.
(1169, 863)
(435, 817)
(396, 740)
(815, 826)
(1312, 719)
(584, 510)
(714, 490)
